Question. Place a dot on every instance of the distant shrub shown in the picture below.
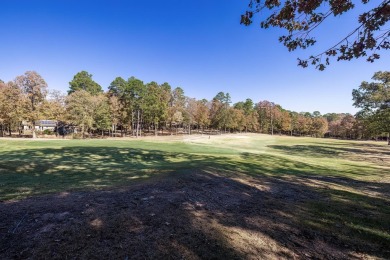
(48, 132)
(77, 136)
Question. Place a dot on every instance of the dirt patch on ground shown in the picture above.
(198, 215)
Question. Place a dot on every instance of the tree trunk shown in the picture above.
(132, 123)
(137, 130)
(34, 135)
(141, 125)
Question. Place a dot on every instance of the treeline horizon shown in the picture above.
(132, 107)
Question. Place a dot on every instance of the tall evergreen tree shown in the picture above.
(83, 81)
(117, 87)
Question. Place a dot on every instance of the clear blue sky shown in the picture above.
(197, 45)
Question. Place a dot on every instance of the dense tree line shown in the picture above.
(132, 107)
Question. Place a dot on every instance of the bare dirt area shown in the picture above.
(196, 215)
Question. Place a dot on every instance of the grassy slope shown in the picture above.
(353, 176)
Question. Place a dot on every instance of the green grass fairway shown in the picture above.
(32, 167)
(280, 194)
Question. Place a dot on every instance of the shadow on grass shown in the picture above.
(329, 151)
(312, 150)
(254, 206)
(36, 171)
(380, 145)
(378, 155)
(198, 215)
(273, 164)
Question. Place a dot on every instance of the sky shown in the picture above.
(199, 46)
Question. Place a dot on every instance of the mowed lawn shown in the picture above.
(32, 167)
(337, 190)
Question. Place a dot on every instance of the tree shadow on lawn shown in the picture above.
(311, 150)
(376, 155)
(273, 164)
(215, 207)
(380, 145)
(196, 215)
(320, 150)
(36, 171)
